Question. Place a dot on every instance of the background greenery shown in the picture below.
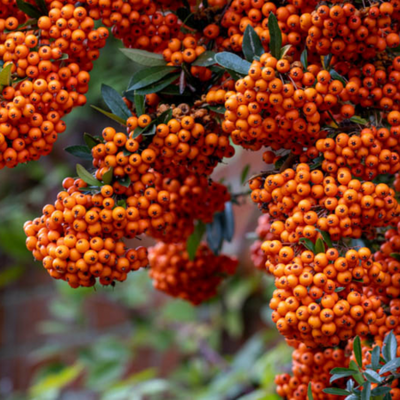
(224, 349)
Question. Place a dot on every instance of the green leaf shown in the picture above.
(381, 390)
(336, 391)
(42, 6)
(143, 57)
(375, 358)
(392, 365)
(309, 392)
(195, 239)
(339, 289)
(396, 256)
(366, 392)
(140, 104)
(164, 117)
(149, 76)
(217, 109)
(91, 141)
(124, 181)
(337, 76)
(372, 376)
(338, 373)
(29, 9)
(215, 233)
(80, 152)
(357, 350)
(229, 225)
(326, 237)
(327, 61)
(252, 46)
(158, 86)
(108, 176)
(233, 62)
(244, 174)
(205, 59)
(5, 75)
(111, 115)
(389, 348)
(86, 176)
(358, 120)
(284, 50)
(319, 246)
(275, 34)
(115, 102)
(304, 58)
(308, 244)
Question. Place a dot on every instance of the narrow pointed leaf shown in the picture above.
(335, 75)
(304, 58)
(90, 140)
(375, 358)
(140, 104)
(357, 350)
(205, 59)
(149, 76)
(229, 225)
(143, 57)
(5, 75)
(111, 115)
(108, 176)
(319, 246)
(252, 46)
(80, 152)
(308, 244)
(336, 391)
(244, 174)
(233, 62)
(390, 366)
(389, 349)
(195, 239)
(29, 9)
(372, 376)
(115, 102)
(275, 34)
(86, 176)
(366, 392)
(309, 392)
(158, 86)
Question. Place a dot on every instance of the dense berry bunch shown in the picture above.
(194, 280)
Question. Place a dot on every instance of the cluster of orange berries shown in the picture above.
(79, 238)
(194, 280)
(319, 297)
(367, 154)
(277, 105)
(312, 366)
(303, 200)
(50, 67)
(348, 33)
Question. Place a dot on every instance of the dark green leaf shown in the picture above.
(126, 181)
(158, 86)
(319, 246)
(326, 237)
(229, 222)
(29, 9)
(375, 357)
(372, 376)
(338, 373)
(149, 76)
(339, 289)
(164, 117)
(327, 61)
(396, 256)
(252, 46)
(108, 176)
(205, 59)
(90, 140)
(80, 152)
(308, 244)
(86, 176)
(336, 391)
(5, 75)
(366, 392)
(195, 239)
(380, 390)
(392, 365)
(115, 102)
(389, 349)
(139, 101)
(215, 233)
(304, 58)
(143, 57)
(42, 6)
(244, 174)
(217, 109)
(233, 62)
(111, 115)
(338, 77)
(275, 34)
(234, 75)
(357, 350)
(309, 392)
(358, 120)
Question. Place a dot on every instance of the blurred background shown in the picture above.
(128, 342)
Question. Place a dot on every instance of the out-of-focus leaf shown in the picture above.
(143, 57)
